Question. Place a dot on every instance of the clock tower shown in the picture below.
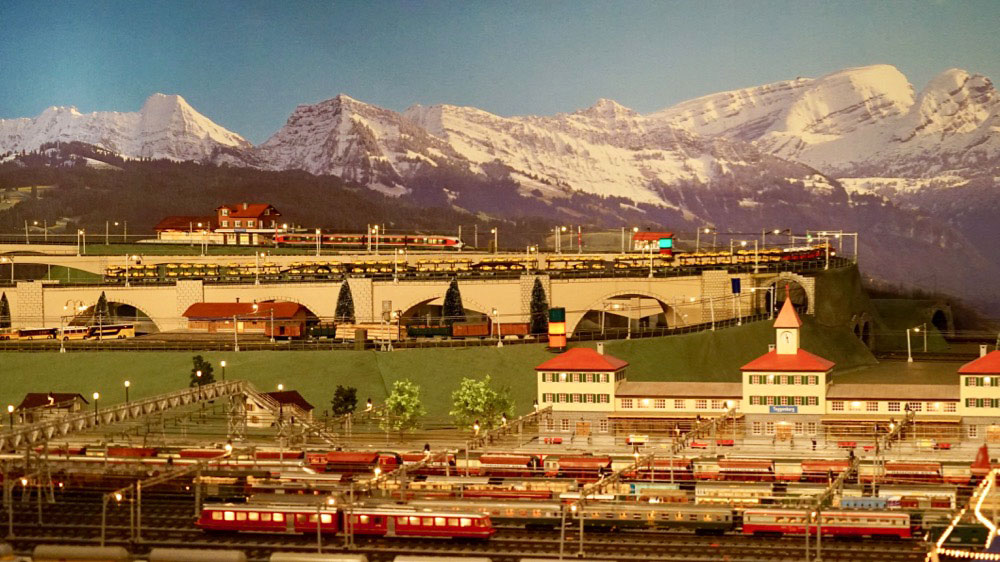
(787, 327)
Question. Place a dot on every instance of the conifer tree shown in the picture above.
(345, 305)
(453, 311)
(4, 311)
(539, 309)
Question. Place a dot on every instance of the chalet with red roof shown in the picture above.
(979, 386)
(579, 385)
(787, 380)
(244, 222)
(277, 319)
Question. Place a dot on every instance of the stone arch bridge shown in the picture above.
(663, 300)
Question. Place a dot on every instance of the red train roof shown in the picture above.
(506, 460)
(584, 462)
(359, 457)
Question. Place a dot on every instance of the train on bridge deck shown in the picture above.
(560, 265)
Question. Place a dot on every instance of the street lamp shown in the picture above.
(495, 232)
(127, 385)
(922, 328)
(395, 264)
(198, 375)
(475, 427)
(81, 241)
(281, 387)
(97, 396)
(223, 365)
(319, 239)
(634, 230)
(256, 258)
(10, 412)
(375, 233)
(496, 320)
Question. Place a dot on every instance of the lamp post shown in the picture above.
(236, 335)
(256, 259)
(634, 230)
(319, 240)
(496, 320)
(10, 413)
(909, 350)
(527, 257)
(697, 242)
(375, 233)
(127, 385)
(922, 328)
(81, 241)
(223, 365)
(97, 396)
(495, 232)
(128, 260)
(395, 264)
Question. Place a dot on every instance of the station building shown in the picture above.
(783, 394)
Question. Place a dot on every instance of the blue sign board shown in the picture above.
(666, 242)
(736, 285)
(784, 409)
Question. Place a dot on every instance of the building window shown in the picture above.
(562, 377)
(770, 400)
(576, 398)
(973, 430)
(225, 212)
(590, 377)
(590, 398)
(564, 424)
(225, 224)
(604, 425)
(933, 406)
(915, 406)
(562, 398)
(605, 377)
(755, 379)
(894, 406)
(970, 381)
(798, 428)
(813, 379)
(783, 379)
(769, 428)
(797, 379)
(660, 403)
(547, 397)
(871, 406)
(626, 403)
(550, 424)
(701, 404)
(718, 404)
(950, 407)
(754, 400)
(680, 404)
(783, 400)
(811, 428)
(238, 223)
(837, 406)
(605, 398)
(756, 427)
(799, 400)
(249, 223)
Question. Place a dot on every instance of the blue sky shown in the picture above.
(246, 65)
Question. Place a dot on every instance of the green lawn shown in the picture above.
(710, 356)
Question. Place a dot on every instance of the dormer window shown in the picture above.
(225, 212)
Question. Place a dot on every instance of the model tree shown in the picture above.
(201, 372)
(476, 400)
(403, 408)
(539, 309)
(4, 312)
(101, 310)
(345, 305)
(453, 310)
(345, 400)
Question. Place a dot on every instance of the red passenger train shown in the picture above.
(383, 522)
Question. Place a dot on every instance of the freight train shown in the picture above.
(482, 266)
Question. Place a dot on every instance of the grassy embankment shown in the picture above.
(709, 356)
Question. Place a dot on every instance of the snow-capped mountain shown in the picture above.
(859, 122)
(166, 127)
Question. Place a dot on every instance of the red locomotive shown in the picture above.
(383, 522)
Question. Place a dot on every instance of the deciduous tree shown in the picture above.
(478, 400)
(403, 406)
(345, 400)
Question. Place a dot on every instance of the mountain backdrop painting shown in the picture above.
(915, 172)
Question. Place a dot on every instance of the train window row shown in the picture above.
(251, 516)
(433, 521)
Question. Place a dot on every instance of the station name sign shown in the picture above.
(784, 409)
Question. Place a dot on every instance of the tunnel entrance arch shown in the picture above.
(119, 312)
(629, 313)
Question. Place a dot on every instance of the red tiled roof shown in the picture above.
(249, 210)
(223, 310)
(788, 318)
(291, 397)
(40, 399)
(988, 364)
(801, 361)
(582, 359)
(651, 235)
(185, 223)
